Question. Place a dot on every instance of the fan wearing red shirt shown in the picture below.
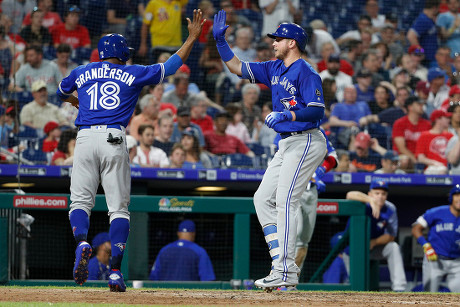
(454, 96)
(432, 144)
(220, 143)
(407, 129)
(198, 107)
(50, 19)
(71, 32)
(53, 133)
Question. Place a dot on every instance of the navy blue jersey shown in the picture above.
(97, 270)
(107, 92)
(444, 233)
(182, 260)
(293, 88)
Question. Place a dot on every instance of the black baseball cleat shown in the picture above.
(80, 269)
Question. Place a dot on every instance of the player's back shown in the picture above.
(108, 92)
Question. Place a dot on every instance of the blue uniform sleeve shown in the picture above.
(172, 64)
(152, 74)
(392, 226)
(311, 90)
(205, 269)
(257, 72)
(155, 272)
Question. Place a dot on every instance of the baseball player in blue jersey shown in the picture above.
(442, 249)
(298, 107)
(384, 229)
(306, 215)
(107, 95)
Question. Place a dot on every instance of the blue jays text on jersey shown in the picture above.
(108, 92)
(295, 87)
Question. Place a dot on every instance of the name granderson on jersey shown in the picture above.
(113, 73)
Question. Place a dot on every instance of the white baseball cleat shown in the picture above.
(275, 280)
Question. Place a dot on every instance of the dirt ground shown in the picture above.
(224, 297)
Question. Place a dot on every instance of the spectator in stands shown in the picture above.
(150, 109)
(147, 154)
(183, 122)
(401, 78)
(38, 112)
(261, 134)
(372, 10)
(342, 80)
(195, 158)
(390, 164)
(432, 144)
(352, 53)
(119, 13)
(36, 69)
(213, 67)
(388, 116)
(50, 19)
(344, 165)
(199, 116)
(449, 25)
(454, 109)
(328, 50)
(422, 90)
(234, 20)
(163, 21)
(63, 61)
(183, 260)
(417, 54)
(8, 124)
(329, 90)
(424, 32)
(364, 90)
(163, 137)
(407, 130)
(131, 145)
(443, 60)
(236, 127)
(384, 230)
(71, 32)
(364, 23)
(180, 95)
(316, 44)
(53, 133)
(367, 153)
(439, 91)
(183, 70)
(208, 10)
(453, 147)
(347, 115)
(384, 58)
(370, 61)
(13, 38)
(99, 265)
(177, 156)
(65, 149)
(220, 143)
(251, 111)
(388, 37)
(275, 12)
(454, 96)
(6, 58)
(381, 100)
(36, 33)
(17, 10)
(244, 51)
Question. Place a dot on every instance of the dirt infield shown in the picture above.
(224, 298)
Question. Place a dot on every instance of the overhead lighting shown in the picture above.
(17, 185)
(210, 189)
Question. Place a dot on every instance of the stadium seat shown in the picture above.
(238, 161)
(257, 149)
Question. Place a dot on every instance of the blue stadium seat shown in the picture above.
(257, 149)
(27, 132)
(36, 156)
(255, 18)
(82, 55)
(216, 161)
(238, 161)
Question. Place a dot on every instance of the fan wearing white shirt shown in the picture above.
(147, 155)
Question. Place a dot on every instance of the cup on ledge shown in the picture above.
(138, 284)
(235, 284)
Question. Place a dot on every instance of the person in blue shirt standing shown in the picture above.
(99, 265)
(183, 260)
(442, 247)
(298, 107)
(107, 95)
(384, 229)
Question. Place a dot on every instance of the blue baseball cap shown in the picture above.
(435, 72)
(100, 239)
(379, 184)
(391, 155)
(186, 226)
(336, 238)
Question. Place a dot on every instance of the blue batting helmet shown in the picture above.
(336, 238)
(453, 191)
(292, 31)
(114, 46)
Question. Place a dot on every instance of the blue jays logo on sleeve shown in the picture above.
(381, 224)
(121, 246)
(289, 102)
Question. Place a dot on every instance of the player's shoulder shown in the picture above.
(305, 68)
(390, 206)
(438, 211)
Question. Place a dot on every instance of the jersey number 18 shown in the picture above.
(109, 99)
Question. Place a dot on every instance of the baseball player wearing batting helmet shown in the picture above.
(442, 247)
(384, 229)
(107, 94)
(298, 107)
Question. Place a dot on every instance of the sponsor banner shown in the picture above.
(171, 174)
(327, 208)
(36, 171)
(175, 205)
(439, 180)
(42, 202)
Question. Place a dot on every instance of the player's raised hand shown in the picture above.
(219, 27)
(430, 252)
(196, 25)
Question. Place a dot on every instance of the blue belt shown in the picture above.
(116, 126)
(288, 134)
